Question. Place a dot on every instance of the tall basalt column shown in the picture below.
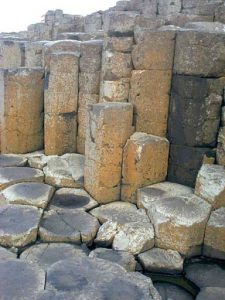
(61, 96)
(110, 125)
(21, 104)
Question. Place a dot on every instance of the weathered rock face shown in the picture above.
(93, 22)
(9, 160)
(220, 151)
(211, 293)
(210, 185)
(12, 54)
(61, 97)
(214, 242)
(21, 129)
(115, 91)
(170, 291)
(34, 54)
(110, 125)
(145, 161)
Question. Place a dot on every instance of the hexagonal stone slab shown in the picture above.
(68, 226)
(211, 293)
(65, 171)
(210, 185)
(205, 274)
(161, 261)
(82, 274)
(66, 198)
(124, 259)
(214, 242)
(18, 225)
(39, 161)
(45, 255)
(19, 280)
(169, 291)
(28, 193)
(6, 254)
(13, 175)
(148, 194)
(179, 223)
(12, 160)
(126, 227)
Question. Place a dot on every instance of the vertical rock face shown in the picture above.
(21, 102)
(12, 54)
(61, 95)
(169, 7)
(145, 161)
(34, 54)
(110, 125)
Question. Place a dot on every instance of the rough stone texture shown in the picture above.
(39, 160)
(147, 7)
(10, 160)
(169, 291)
(6, 254)
(179, 223)
(126, 228)
(68, 226)
(30, 193)
(149, 94)
(19, 280)
(65, 171)
(155, 192)
(45, 255)
(115, 91)
(211, 293)
(120, 44)
(89, 83)
(110, 125)
(21, 129)
(122, 258)
(205, 274)
(145, 161)
(199, 51)
(34, 54)
(210, 185)
(93, 22)
(220, 151)
(90, 60)
(161, 261)
(61, 97)
(214, 242)
(170, 7)
(72, 199)
(81, 275)
(195, 110)
(12, 53)
(185, 162)
(13, 175)
(19, 225)
(154, 51)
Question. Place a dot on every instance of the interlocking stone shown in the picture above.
(68, 226)
(19, 225)
(13, 175)
(65, 171)
(45, 255)
(19, 280)
(169, 7)
(39, 160)
(211, 293)
(124, 259)
(11, 160)
(115, 91)
(90, 60)
(120, 44)
(145, 161)
(6, 254)
(93, 22)
(214, 242)
(30, 193)
(34, 54)
(146, 195)
(205, 274)
(162, 261)
(89, 82)
(12, 53)
(66, 198)
(169, 291)
(210, 185)
(179, 223)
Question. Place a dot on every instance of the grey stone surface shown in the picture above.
(68, 226)
(13, 175)
(45, 255)
(6, 254)
(19, 280)
(168, 291)
(28, 193)
(122, 258)
(18, 225)
(12, 160)
(211, 293)
(162, 261)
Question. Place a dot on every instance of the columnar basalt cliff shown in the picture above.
(112, 135)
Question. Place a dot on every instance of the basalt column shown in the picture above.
(21, 106)
(110, 125)
(61, 95)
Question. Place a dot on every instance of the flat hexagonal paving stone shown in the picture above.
(68, 226)
(169, 291)
(20, 280)
(13, 175)
(18, 225)
(211, 293)
(66, 198)
(65, 171)
(6, 254)
(44, 255)
(12, 160)
(28, 193)
(110, 280)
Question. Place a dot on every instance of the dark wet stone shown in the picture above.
(168, 291)
(211, 293)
